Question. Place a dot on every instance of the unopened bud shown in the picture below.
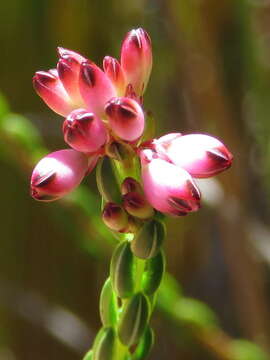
(136, 59)
(68, 68)
(84, 131)
(122, 270)
(105, 344)
(115, 217)
(126, 118)
(133, 320)
(154, 271)
(107, 181)
(144, 347)
(57, 174)
(49, 87)
(115, 73)
(148, 240)
(201, 155)
(168, 188)
(137, 205)
(120, 151)
(95, 87)
(108, 305)
(131, 185)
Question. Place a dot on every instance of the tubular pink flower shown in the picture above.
(136, 59)
(201, 155)
(59, 173)
(84, 131)
(115, 217)
(95, 87)
(115, 73)
(49, 87)
(68, 68)
(126, 118)
(168, 188)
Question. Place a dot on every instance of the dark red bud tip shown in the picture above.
(42, 197)
(221, 157)
(179, 204)
(194, 190)
(44, 77)
(130, 185)
(118, 106)
(111, 66)
(43, 180)
(88, 73)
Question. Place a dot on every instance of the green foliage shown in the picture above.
(246, 350)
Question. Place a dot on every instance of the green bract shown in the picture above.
(107, 181)
(105, 345)
(133, 320)
(108, 305)
(122, 270)
(144, 345)
(148, 240)
(152, 276)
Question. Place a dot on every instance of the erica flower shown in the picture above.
(201, 155)
(126, 118)
(84, 131)
(59, 173)
(168, 188)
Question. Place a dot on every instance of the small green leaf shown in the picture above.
(153, 273)
(122, 270)
(89, 355)
(108, 305)
(104, 347)
(149, 239)
(107, 181)
(246, 350)
(144, 345)
(133, 320)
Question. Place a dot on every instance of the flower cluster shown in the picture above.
(103, 109)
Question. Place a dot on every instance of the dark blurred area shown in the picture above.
(211, 74)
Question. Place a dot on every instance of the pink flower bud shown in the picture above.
(130, 185)
(168, 188)
(84, 131)
(126, 118)
(115, 217)
(136, 59)
(63, 53)
(136, 205)
(201, 155)
(95, 87)
(58, 173)
(113, 70)
(68, 68)
(50, 89)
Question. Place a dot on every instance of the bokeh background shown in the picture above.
(211, 74)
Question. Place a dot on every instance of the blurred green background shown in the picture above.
(211, 74)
